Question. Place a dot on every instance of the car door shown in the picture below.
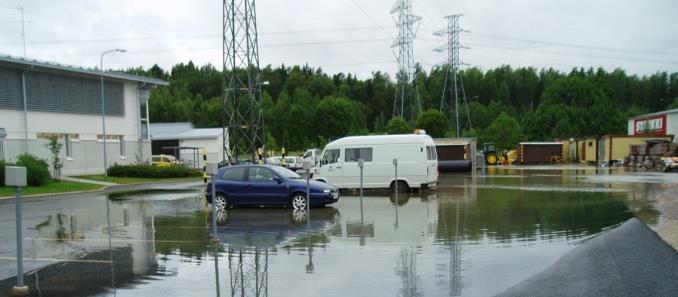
(263, 186)
(232, 182)
(331, 166)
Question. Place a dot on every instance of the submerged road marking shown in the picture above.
(57, 260)
(118, 240)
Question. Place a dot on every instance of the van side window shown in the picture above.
(431, 153)
(434, 152)
(353, 154)
(331, 156)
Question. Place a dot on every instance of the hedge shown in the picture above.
(37, 170)
(150, 171)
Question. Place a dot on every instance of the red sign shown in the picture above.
(654, 126)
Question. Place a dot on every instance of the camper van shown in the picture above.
(416, 154)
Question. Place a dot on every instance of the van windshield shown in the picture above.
(331, 156)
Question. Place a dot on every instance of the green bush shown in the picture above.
(150, 171)
(2, 173)
(36, 168)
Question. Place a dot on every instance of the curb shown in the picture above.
(103, 188)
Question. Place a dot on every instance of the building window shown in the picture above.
(123, 153)
(353, 154)
(68, 146)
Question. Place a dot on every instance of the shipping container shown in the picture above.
(455, 154)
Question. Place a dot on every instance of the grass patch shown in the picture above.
(52, 187)
(137, 180)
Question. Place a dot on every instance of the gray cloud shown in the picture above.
(352, 35)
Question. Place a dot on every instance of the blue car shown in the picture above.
(253, 185)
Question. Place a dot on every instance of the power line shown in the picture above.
(371, 19)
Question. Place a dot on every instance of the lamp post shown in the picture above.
(103, 104)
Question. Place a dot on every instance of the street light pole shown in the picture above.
(103, 104)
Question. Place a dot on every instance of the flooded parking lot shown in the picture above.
(473, 236)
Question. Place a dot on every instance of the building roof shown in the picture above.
(172, 131)
(453, 141)
(670, 111)
(541, 143)
(382, 139)
(6, 59)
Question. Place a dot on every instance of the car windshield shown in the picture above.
(284, 172)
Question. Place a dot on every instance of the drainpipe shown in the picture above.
(25, 101)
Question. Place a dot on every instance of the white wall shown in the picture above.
(87, 157)
(213, 146)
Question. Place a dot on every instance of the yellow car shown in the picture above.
(164, 160)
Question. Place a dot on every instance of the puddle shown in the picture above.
(471, 237)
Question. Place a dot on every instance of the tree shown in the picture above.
(434, 122)
(505, 132)
(55, 148)
(398, 125)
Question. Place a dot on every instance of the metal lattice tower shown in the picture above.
(406, 103)
(452, 66)
(243, 107)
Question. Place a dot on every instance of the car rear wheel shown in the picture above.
(298, 201)
(220, 201)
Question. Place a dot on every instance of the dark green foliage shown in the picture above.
(150, 171)
(37, 169)
(2, 172)
(505, 131)
(434, 122)
(305, 107)
(398, 125)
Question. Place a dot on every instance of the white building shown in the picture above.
(655, 124)
(188, 144)
(39, 100)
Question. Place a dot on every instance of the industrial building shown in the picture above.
(539, 152)
(661, 123)
(187, 143)
(39, 100)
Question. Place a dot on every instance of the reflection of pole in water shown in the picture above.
(110, 242)
(242, 273)
(407, 271)
(215, 252)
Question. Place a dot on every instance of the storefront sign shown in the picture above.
(654, 125)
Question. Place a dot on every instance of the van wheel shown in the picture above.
(402, 186)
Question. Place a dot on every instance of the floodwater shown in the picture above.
(473, 236)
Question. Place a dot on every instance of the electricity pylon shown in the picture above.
(452, 67)
(243, 107)
(406, 103)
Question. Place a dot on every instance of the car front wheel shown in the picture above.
(299, 201)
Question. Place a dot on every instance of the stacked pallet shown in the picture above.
(650, 154)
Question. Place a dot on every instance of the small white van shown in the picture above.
(416, 154)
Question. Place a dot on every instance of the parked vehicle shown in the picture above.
(293, 163)
(164, 160)
(416, 154)
(312, 155)
(267, 185)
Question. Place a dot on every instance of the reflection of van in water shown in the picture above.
(416, 154)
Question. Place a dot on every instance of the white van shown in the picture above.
(416, 154)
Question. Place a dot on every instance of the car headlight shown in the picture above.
(327, 191)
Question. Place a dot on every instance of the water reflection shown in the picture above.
(452, 241)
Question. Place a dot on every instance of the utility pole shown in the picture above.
(452, 66)
(243, 107)
(406, 103)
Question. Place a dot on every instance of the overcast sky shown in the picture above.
(640, 36)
